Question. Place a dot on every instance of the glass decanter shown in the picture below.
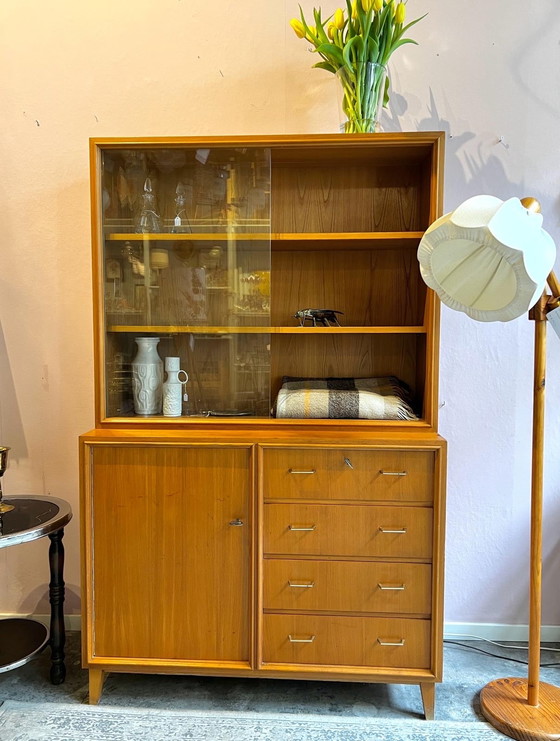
(180, 222)
(148, 221)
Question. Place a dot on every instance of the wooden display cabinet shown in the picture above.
(226, 541)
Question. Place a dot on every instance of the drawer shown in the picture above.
(347, 530)
(347, 586)
(302, 473)
(347, 641)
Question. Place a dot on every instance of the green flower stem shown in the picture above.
(362, 89)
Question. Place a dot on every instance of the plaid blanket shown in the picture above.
(344, 398)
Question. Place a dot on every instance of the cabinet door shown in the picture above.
(170, 571)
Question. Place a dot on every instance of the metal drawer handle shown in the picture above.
(237, 522)
(393, 473)
(348, 463)
(399, 531)
(294, 584)
(302, 529)
(392, 588)
(390, 643)
(301, 640)
(292, 470)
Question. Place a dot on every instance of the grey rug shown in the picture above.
(20, 721)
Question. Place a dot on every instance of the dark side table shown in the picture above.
(33, 517)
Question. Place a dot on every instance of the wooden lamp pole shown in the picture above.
(527, 709)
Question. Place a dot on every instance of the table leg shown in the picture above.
(56, 598)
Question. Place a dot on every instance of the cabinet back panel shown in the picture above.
(346, 198)
(345, 356)
(371, 287)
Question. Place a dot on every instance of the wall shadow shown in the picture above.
(9, 408)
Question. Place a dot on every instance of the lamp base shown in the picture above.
(504, 704)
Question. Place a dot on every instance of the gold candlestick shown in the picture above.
(3, 465)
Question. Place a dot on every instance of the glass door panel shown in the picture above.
(186, 258)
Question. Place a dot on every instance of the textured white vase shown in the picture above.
(172, 391)
(147, 377)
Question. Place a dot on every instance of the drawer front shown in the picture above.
(347, 641)
(348, 530)
(347, 586)
(396, 475)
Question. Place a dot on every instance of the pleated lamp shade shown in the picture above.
(489, 258)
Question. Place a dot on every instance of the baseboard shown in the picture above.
(466, 631)
(499, 632)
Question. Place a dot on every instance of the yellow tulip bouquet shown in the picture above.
(356, 45)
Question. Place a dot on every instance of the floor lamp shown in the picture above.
(492, 260)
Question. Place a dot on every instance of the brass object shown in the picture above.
(531, 204)
(4, 507)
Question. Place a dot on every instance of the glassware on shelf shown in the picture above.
(252, 291)
(148, 220)
(180, 222)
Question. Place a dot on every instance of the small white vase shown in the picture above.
(147, 377)
(172, 391)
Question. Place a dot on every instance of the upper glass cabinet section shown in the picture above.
(185, 236)
(256, 263)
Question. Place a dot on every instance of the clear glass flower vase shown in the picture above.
(363, 90)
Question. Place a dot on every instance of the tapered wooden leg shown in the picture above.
(96, 680)
(428, 690)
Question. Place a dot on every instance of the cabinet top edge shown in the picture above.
(419, 440)
(406, 138)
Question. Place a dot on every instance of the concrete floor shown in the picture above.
(465, 673)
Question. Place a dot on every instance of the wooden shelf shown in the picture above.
(264, 330)
(287, 241)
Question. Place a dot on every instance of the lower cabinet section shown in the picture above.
(255, 558)
(353, 641)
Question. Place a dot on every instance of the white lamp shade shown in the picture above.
(489, 258)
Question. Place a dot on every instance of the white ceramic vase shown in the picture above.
(147, 377)
(172, 391)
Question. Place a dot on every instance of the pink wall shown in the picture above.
(71, 71)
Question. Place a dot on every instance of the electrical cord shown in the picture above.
(501, 645)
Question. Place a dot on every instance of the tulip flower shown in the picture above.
(298, 28)
(366, 34)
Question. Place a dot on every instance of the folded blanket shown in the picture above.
(383, 398)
